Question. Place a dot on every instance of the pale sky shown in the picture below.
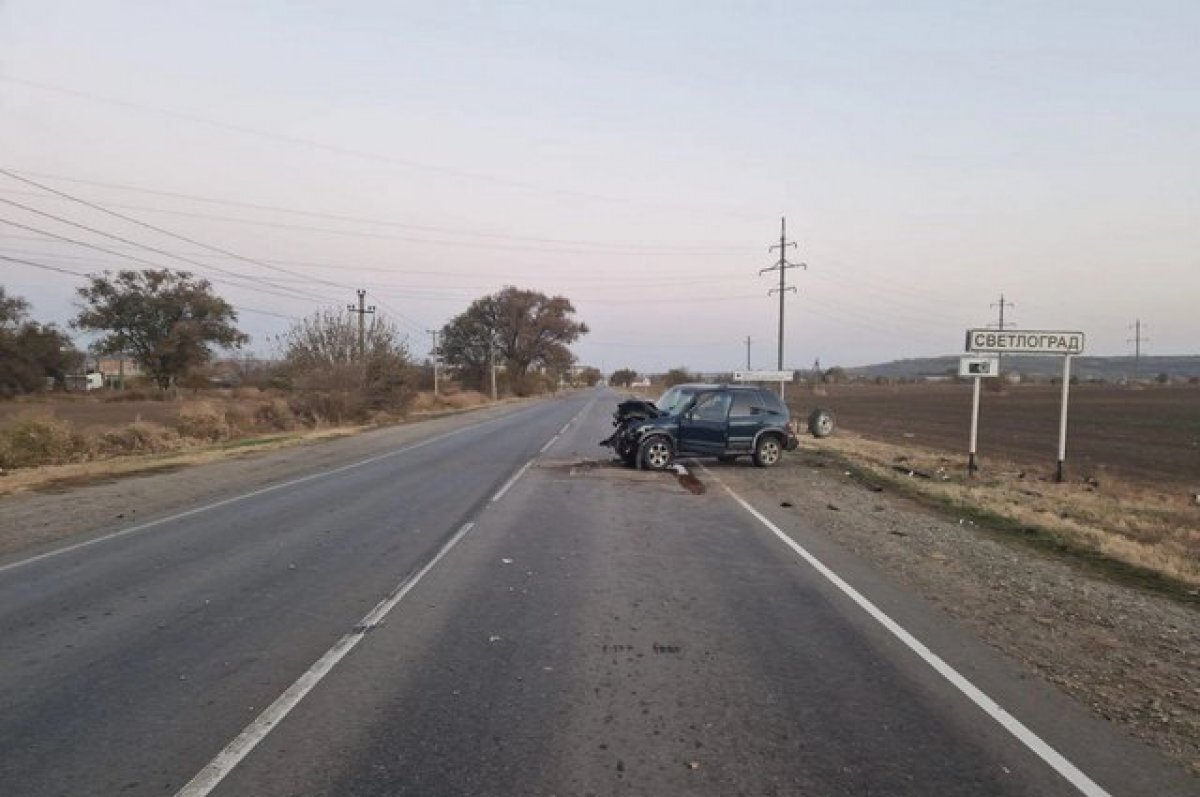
(635, 157)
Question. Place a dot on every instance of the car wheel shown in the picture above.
(820, 423)
(656, 453)
(767, 450)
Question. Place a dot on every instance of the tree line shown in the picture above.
(172, 324)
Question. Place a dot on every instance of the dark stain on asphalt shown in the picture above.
(690, 483)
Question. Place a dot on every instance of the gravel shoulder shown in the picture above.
(1127, 654)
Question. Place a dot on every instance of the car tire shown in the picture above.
(656, 453)
(821, 423)
(768, 450)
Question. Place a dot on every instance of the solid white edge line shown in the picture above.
(549, 443)
(211, 775)
(993, 709)
(512, 480)
(238, 498)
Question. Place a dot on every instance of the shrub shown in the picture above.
(275, 414)
(138, 438)
(42, 441)
(202, 421)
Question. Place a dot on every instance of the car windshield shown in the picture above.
(673, 400)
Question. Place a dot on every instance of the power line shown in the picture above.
(138, 245)
(294, 295)
(47, 267)
(297, 141)
(731, 248)
(424, 241)
(160, 230)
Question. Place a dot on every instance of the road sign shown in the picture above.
(762, 376)
(979, 366)
(1028, 341)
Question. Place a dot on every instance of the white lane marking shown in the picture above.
(223, 763)
(508, 484)
(253, 494)
(993, 709)
(513, 480)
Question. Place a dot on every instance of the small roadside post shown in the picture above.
(977, 368)
(1038, 341)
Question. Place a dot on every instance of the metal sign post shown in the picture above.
(1041, 341)
(1062, 419)
(978, 368)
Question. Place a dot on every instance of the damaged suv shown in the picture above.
(722, 421)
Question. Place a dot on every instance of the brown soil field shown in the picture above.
(1145, 435)
(88, 413)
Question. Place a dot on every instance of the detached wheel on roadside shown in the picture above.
(820, 423)
(656, 453)
(768, 450)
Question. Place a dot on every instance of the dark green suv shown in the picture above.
(722, 421)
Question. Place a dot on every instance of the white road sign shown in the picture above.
(979, 366)
(1025, 341)
(762, 376)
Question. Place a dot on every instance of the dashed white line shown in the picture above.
(1032, 741)
(216, 770)
(513, 480)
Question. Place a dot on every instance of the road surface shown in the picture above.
(497, 610)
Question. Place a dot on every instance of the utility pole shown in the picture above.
(1000, 325)
(435, 355)
(1137, 340)
(782, 267)
(492, 361)
(747, 352)
(1002, 304)
(363, 311)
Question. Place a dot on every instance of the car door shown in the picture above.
(703, 427)
(745, 419)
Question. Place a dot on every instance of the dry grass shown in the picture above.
(39, 449)
(1138, 527)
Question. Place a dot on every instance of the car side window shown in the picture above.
(743, 404)
(713, 407)
(771, 401)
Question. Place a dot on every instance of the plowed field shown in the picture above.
(1148, 435)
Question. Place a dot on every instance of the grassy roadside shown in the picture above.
(204, 434)
(1143, 538)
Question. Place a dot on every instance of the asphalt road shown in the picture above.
(497, 611)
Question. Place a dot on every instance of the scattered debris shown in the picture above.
(506, 561)
(693, 765)
(834, 507)
(495, 638)
(786, 504)
(920, 474)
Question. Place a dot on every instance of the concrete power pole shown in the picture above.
(363, 311)
(435, 354)
(1137, 340)
(747, 352)
(782, 267)
(1001, 324)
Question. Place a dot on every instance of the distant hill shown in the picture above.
(1109, 369)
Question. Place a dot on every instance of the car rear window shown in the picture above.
(771, 401)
